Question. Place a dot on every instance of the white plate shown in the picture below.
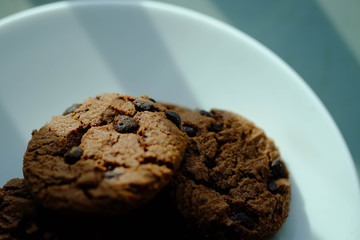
(62, 53)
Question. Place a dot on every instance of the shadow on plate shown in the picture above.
(12, 148)
(297, 226)
(144, 68)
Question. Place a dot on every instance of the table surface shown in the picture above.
(319, 39)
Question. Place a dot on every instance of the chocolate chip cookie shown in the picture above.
(105, 156)
(233, 183)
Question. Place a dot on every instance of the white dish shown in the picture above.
(55, 55)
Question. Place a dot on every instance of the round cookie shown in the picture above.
(232, 183)
(105, 156)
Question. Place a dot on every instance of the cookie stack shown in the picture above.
(117, 165)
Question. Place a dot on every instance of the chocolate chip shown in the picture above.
(272, 187)
(174, 117)
(71, 109)
(125, 124)
(278, 168)
(244, 220)
(215, 128)
(141, 105)
(190, 131)
(205, 113)
(153, 100)
(73, 155)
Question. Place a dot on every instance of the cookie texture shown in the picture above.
(17, 211)
(105, 156)
(232, 184)
(21, 218)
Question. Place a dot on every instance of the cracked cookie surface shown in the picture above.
(232, 183)
(106, 156)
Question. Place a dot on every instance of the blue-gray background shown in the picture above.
(319, 39)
